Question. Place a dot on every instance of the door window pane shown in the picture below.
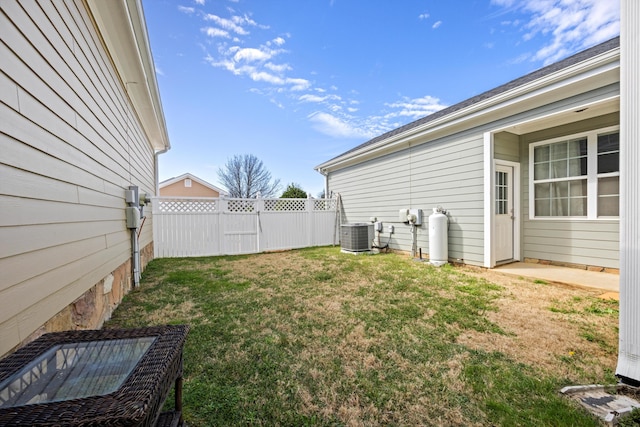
(502, 193)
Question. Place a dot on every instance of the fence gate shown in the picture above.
(184, 227)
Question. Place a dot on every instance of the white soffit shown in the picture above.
(583, 112)
(122, 28)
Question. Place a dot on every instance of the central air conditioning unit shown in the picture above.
(356, 237)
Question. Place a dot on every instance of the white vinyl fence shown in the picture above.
(186, 227)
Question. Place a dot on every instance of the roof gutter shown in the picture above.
(122, 27)
(580, 71)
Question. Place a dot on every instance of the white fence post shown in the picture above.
(259, 209)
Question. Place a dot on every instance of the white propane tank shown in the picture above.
(438, 237)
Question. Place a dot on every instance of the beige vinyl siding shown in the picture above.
(178, 189)
(583, 242)
(447, 173)
(70, 145)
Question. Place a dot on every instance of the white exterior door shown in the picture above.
(504, 213)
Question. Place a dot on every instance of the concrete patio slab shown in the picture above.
(606, 282)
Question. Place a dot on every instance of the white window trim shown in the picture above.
(592, 177)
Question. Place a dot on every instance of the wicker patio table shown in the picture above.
(109, 377)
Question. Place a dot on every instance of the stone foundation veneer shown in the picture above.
(95, 306)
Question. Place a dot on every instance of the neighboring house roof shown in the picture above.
(495, 93)
(193, 178)
(122, 28)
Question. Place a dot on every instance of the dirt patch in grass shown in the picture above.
(549, 326)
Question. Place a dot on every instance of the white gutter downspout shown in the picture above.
(324, 173)
(326, 184)
(157, 169)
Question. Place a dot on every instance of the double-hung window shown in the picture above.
(576, 176)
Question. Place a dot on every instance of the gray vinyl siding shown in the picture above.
(506, 147)
(449, 172)
(446, 172)
(70, 145)
(584, 242)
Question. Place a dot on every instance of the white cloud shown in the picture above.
(200, 2)
(262, 76)
(251, 54)
(227, 24)
(277, 68)
(415, 108)
(187, 10)
(423, 16)
(436, 25)
(336, 127)
(514, 23)
(244, 20)
(312, 98)
(570, 25)
(277, 103)
(215, 32)
(279, 41)
(316, 98)
(299, 84)
(505, 3)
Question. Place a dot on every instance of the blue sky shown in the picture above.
(298, 82)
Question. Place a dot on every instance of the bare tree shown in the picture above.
(245, 176)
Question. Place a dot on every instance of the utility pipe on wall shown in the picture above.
(133, 222)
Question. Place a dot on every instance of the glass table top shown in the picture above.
(73, 371)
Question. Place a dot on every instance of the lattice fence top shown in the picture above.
(215, 205)
(187, 205)
(289, 205)
(241, 205)
(324, 204)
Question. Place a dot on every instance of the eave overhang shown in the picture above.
(124, 33)
(598, 71)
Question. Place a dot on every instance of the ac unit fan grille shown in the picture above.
(356, 237)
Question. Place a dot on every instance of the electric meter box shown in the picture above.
(130, 197)
(402, 215)
(133, 217)
(417, 213)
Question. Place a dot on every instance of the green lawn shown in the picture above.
(318, 337)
